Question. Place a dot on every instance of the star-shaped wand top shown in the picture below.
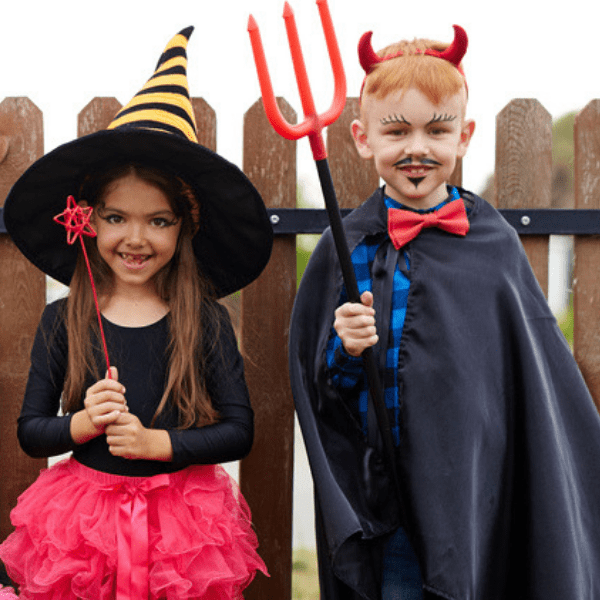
(76, 220)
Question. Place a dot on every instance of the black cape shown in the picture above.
(499, 458)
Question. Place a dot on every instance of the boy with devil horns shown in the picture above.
(496, 437)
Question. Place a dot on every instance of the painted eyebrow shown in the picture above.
(442, 118)
(158, 213)
(393, 119)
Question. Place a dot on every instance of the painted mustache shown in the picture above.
(423, 161)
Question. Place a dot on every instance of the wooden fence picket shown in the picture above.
(206, 123)
(266, 476)
(586, 283)
(524, 170)
(22, 300)
(97, 115)
(354, 178)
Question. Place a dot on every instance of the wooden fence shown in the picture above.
(522, 181)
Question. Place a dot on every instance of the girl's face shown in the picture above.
(137, 232)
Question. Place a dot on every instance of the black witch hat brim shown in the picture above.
(234, 240)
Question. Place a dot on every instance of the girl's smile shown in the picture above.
(134, 261)
(137, 231)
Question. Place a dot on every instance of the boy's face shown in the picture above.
(414, 143)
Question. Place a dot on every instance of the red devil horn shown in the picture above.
(366, 55)
(456, 50)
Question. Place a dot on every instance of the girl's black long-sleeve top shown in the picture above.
(140, 354)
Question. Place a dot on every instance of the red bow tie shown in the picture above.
(405, 225)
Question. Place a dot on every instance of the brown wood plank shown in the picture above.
(586, 282)
(206, 123)
(524, 170)
(354, 178)
(22, 298)
(267, 474)
(97, 115)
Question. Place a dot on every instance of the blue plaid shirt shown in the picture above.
(347, 371)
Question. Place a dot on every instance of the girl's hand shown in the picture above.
(105, 401)
(355, 324)
(128, 438)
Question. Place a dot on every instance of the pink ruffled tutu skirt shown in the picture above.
(83, 534)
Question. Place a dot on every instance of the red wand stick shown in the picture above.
(312, 126)
(76, 220)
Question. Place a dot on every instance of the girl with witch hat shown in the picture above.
(141, 509)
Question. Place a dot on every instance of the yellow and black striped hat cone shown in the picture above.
(156, 128)
(164, 102)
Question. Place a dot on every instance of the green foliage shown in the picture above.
(302, 256)
(305, 243)
(565, 322)
(305, 579)
(562, 140)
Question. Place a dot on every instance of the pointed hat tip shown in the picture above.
(187, 32)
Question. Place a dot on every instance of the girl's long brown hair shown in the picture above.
(180, 284)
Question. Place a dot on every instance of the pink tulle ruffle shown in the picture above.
(200, 541)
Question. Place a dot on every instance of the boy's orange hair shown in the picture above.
(408, 64)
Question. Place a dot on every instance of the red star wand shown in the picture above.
(76, 220)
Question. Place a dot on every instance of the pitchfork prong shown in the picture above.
(337, 66)
(277, 120)
(313, 123)
(308, 104)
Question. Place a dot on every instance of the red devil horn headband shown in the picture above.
(453, 53)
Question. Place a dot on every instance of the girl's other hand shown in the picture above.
(128, 438)
(355, 324)
(105, 401)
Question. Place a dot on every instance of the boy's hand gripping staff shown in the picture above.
(76, 220)
(312, 127)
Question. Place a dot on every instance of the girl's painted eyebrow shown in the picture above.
(158, 213)
(163, 213)
(393, 119)
(442, 118)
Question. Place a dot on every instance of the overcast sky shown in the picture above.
(62, 53)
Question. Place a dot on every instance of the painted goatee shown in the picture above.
(423, 161)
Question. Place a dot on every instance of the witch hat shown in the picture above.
(156, 128)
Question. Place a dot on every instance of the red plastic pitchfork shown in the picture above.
(312, 126)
